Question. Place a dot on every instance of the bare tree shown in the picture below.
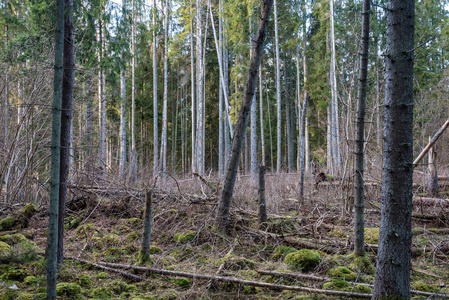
(392, 278)
(164, 136)
(133, 160)
(122, 110)
(242, 122)
(155, 110)
(278, 93)
(359, 201)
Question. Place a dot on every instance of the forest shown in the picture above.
(217, 149)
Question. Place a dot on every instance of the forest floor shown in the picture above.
(104, 229)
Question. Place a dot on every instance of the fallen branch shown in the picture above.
(240, 281)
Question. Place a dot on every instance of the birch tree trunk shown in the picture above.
(122, 122)
(242, 122)
(68, 82)
(303, 145)
(164, 136)
(392, 278)
(52, 240)
(278, 93)
(359, 201)
(155, 108)
(193, 96)
(221, 92)
(199, 89)
(262, 135)
(133, 167)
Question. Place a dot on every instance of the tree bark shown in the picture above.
(242, 122)
(155, 110)
(278, 93)
(392, 278)
(193, 96)
(133, 166)
(262, 134)
(303, 127)
(52, 239)
(68, 84)
(164, 136)
(359, 201)
(432, 176)
(199, 89)
(146, 238)
(262, 216)
(101, 100)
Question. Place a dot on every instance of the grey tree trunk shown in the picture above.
(242, 122)
(68, 84)
(221, 92)
(101, 100)
(392, 278)
(199, 89)
(164, 136)
(432, 176)
(122, 123)
(253, 119)
(52, 240)
(303, 127)
(359, 200)
(262, 215)
(278, 93)
(288, 122)
(144, 255)
(262, 135)
(155, 110)
(133, 160)
(193, 96)
(6, 107)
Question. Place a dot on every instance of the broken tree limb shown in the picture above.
(431, 143)
(239, 281)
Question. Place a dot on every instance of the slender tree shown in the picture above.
(359, 201)
(242, 122)
(122, 107)
(133, 165)
(101, 97)
(392, 280)
(68, 83)
(155, 110)
(199, 89)
(262, 134)
(52, 240)
(278, 93)
(164, 136)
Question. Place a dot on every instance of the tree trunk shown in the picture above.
(6, 124)
(253, 120)
(164, 136)
(262, 135)
(262, 215)
(199, 89)
(392, 278)
(144, 254)
(193, 96)
(303, 127)
(278, 93)
(101, 100)
(432, 176)
(133, 167)
(155, 110)
(288, 122)
(242, 122)
(359, 201)
(52, 239)
(122, 123)
(221, 91)
(68, 82)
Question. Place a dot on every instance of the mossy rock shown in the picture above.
(363, 289)
(343, 273)
(337, 284)
(102, 275)
(184, 237)
(363, 264)
(15, 275)
(304, 260)
(281, 251)
(20, 219)
(113, 254)
(84, 280)
(118, 286)
(7, 223)
(5, 249)
(86, 230)
(372, 235)
(13, 239)
(237, 263)
(102, 292)
(182, 282)
(68, 290)
(29, 210)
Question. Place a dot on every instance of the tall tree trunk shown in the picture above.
(262, 135)
(278, 93)
(68, 83)
(122, 123)
(359, 201)
(392, 278)
(164, 136)
(52, 239)
(133, 166)
(155, 110)
(303, 145)
(242, 122)
(253, 118)
(193, 96)
(144, 255)
(101, 100)
(199, 89)
(288, 121)
(221, 91)
(6, 116)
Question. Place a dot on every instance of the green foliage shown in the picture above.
(281, 251)
(7, 223)
(304, 260)
(182, 282)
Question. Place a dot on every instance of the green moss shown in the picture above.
(281, 251)
(184, 237)
(372, 235)
(135, 235)
(13, 239)
(86, 230)
(182, 252)
(29, 210)
(102, 275)
(239, 263)
(337, 284)
(15, 275)
(25, 296)
(281, 226)
(30, 280)
(363, 264)
(84, 280)
(68, 290)
(7, 223)
(183, 282)
(363, 289)
(40, 296)
(155, 250)
(143, 258)
(118, 286)
(132, 222)
(305, 260)
(102, 292)
(169, 294)
(5, 249)
(110, 240)
(343, 273)
(421, 286)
